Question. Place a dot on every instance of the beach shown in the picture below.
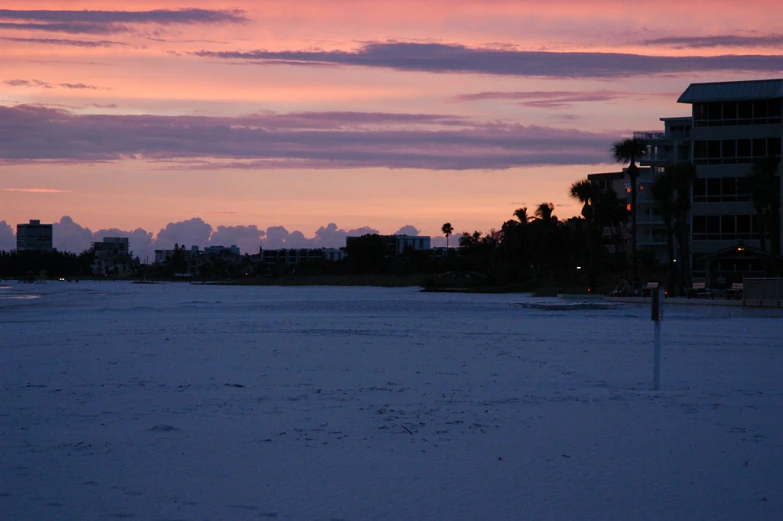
(180, 401)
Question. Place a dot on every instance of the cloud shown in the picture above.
(7, 237)
(408, 230)
(28, 83)
(248, 238)
(297, 140)
(70, 28)
(46, 85)
(725, 40)
(59, 41)
(192, 232)
(453, 58)
(108, 22)
(140, 241)
(37, 190)
(553, 99)
(157, 16)
(70, 236)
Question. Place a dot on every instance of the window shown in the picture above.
(699, 190)
(729, 188)
(773, 146)
(699, 149)
(743, 148)
(730, 110)
(727, 223)
(713, 189)
(745, 110)
(760, 109)
(757, 112)
(759, 147)
(699, 225)
(713, 225)
(729, 148)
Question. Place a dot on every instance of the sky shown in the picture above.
(292, 124)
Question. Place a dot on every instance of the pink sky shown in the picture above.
(362, 114)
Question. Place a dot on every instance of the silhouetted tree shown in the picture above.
(447, 230)
(764, 184)
(629, 151)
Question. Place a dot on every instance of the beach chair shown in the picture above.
(699, 289)
(649, 288)
(735, 291)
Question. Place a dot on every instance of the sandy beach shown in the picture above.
(178, 401)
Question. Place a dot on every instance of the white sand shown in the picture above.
(177, 401)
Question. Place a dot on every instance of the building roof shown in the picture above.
(732, 91)
(608, 175)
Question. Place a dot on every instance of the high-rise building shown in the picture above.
(34, 236)
(736, 126)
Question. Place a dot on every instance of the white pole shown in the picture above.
(657, 314)
(657, 356)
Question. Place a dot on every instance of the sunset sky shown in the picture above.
(248, 121)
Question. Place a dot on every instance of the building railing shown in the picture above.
(647, 135)
(762, 291)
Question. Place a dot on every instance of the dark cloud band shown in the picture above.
(435, 57)
(298, 140)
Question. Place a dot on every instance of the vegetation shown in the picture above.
(32, 265)
(764, 185)
(629, 151)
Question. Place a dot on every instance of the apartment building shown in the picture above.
(734, 125)
(672, 145)
(34, 236)
(112, 256)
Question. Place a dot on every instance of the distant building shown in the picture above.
(296, 256)
(112, 256)
(217, 250)
(163, 256)
(671, 146)
(613, 237)
(396, 244)
(34, 236)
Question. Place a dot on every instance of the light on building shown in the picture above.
(674, 260)
(579, 267)
(740, 248)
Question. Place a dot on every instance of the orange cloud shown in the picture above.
(37, 190)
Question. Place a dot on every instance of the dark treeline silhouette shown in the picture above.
(45, 264)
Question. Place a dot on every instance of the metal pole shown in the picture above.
(657, 357)
(657, 314)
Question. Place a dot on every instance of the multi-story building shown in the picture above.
(616, 182)
(220, 250)
(296, 256)
(397, 244)
(667, 147)
(735, 124)
(112, 256)
(34, 236)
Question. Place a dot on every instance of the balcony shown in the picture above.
(649, 135)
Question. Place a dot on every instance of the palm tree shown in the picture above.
(629, 151)
(664, 193)
(521, 215)
(544, 212)
(764, 192)
(609, 211)
(585, 192)
(683, 175)
(447, 230)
